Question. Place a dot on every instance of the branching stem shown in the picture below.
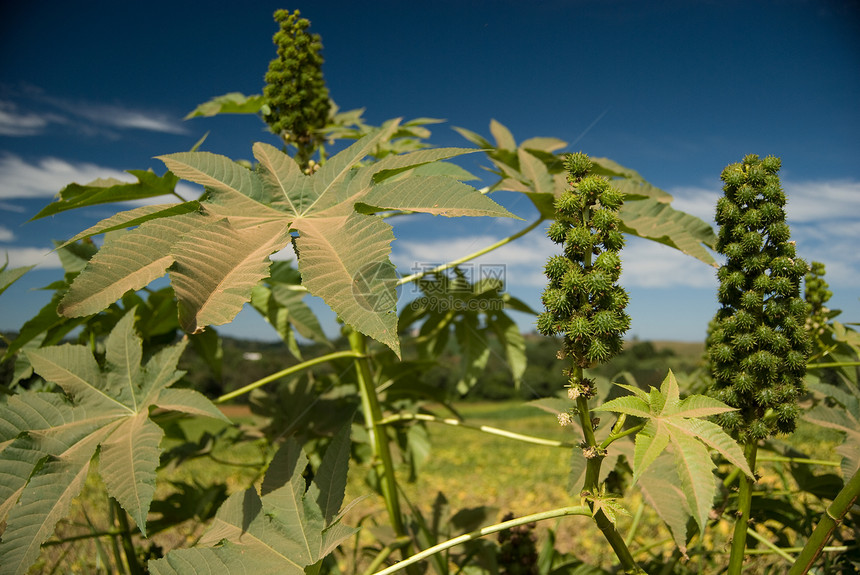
(479, 253)
(285, 372)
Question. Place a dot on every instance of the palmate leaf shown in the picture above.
(284, 528)
(216, 256)
(48, 439)
(675, 422)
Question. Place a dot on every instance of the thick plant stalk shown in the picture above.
(829, 521)
(376, 431)
(736, 560)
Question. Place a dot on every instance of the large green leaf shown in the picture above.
(284, 528)
(674, 422)
(48, 439)
(217, 255)
(109, 190)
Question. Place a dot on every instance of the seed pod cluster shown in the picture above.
(295, 90)
(758, 344)
(583, 300)
(816, 295)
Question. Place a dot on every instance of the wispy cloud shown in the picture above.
(15, 123)
(46, 177)
(125, 118)
(33, 116)
(6, 234)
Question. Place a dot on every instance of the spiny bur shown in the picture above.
(583, 300)
(758, 344)
(295, 90)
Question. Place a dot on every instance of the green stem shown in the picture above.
(616, 436)
(376, 431)
(829, 521)
(472, 256)
(489, 530)
(833, 364)
(801, 460)
(739, 538)
(485, 428)
(773, 548)
(637, 517)
(828, 549)
(380, 557)
(125, 536)
(73, 538)
(285, 372)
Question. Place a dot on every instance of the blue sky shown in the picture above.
(674, 90)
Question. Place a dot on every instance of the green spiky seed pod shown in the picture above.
(295, 90)
(757, 346)
(816, 295)
(582, 300)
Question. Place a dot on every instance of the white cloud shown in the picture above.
(28, 256)
(6, 234)
(698, 201)
(45, 178)
(19, 179)
(824, 200)
(648, 264)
